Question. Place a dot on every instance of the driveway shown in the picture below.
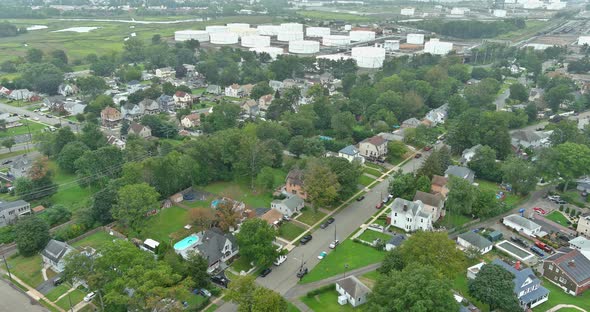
(47, 285)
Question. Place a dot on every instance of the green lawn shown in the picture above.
(69, 194)
(558, 296)
(355, 255)
(323, 15)
(198, 91)
(510, 200)
(168, 221)
(327, 302)
(292, 308)
(95, 240)
(373, 172)
(27, 269)
(12, 154)
(370, 236)
(212, 308)
(57, 292)
(557, 216)
(241, 265)
(196, 300)
(375, 166)
(34, 127)
(373, 275)
(364, 180)
(454, 220)
(290, 231)
(310, 217)
(241, 191)
(48, 306)
(75, 296)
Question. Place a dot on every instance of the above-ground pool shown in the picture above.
(186, 242)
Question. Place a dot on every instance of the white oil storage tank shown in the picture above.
(368, 57)
(242, 32)
(268, 30)
(216, 29)
(287, 35)
(272, 51)
(185, 35)
(361, 35)
(317, 31)
(237, 26)
(415, 38)
(223, 38)
(253, 41)
(304, 46)
(335, 40)
(292, 27)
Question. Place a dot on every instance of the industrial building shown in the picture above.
(223, 37)
(368, 57)
(391, 45)
(289, 35)
(295, 27)
(407, 11)
(236, 27)
(304, 46)
(268, 30)
(272, 51)
(216, 29)
(185, 35)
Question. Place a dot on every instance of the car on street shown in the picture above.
(305, 239)
(301, 273)
(360, 198)
(324, 225)
(322, 255)
(379, 205)
(540, 210)
(6, 162)
(334, 244)
(330, 220)
(36, 118)
(265, 272)
(417, 155)
(26, 116)
(89, 297)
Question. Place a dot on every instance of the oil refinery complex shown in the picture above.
(368, 47)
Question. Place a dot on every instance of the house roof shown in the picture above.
(38, 209)
(574, 263)
(520, 277)
(261, 211)
(149, 104)
(523, 222)
(267, 98)
(180, 94)
(55, 250)
(193, 117)
(136, 128)
(111, 112)
(439, 180)
(375, 140)
(476, 240)
(291, 202)
(402, 205)
(272, 216)
(350, 150)
(213, 241)
(428, 199)
(235, 86)
(411, 122)
(14, 204)
(580, 242)
(460, 172)
(353, 287)
(397, 239)
(295, 176)
(527, 135)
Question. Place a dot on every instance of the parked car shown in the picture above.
(89, 297)
(322, 255)
(220, 280)
(286, 218)
(324, 225)
(305, 239)
(58, 281)
(204, 292)
(301, 273)
(554, 197)
(427, 148)
(561, 202)
(543, 246)
(379, 205)
(330, 220)
(334, 244)
(6, 162)
(280, 260)
(538, 251)
(265, 272)
(360, 198)
(418, 155)
(540, 210)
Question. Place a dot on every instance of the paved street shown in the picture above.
(5, 108)
(13, 300)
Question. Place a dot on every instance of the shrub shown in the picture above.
(69, 232)
(567, 209)
(6, 234)
(578, 213)
(560, 207)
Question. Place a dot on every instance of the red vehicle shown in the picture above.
(379, 205)
(540, 210)
(427, 148)
(543, 246)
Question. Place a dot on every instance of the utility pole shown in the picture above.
(7, 267)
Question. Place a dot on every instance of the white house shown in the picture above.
(433, 203)
(351, 153)
(233, 90)
(438, 115)
(468, 154)
(409, 216)
(470, 240)
(53, 255)
(165, 72)
(352, 290)
(288, 206)
(395, 241)
(140, 130)
(182, 99)
(373, 147)
(191, 121)
(522, 224)
(11, 211)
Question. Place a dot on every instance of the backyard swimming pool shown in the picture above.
(186, 242)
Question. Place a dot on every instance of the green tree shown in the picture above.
(133, 203)
(403, 185)
(8, 143)
(62, 138)
(92, 136)
(69, 154)
(256, 242)
(347, 173)
(34, 56)
(486, 204)
(519, 92)
(102, 204)
(521, 174)
(32, 235)
(434, 249)
(91, 85)
(266, 179)
(260, 89)
(98, 167)
(531, 111)
(556, 95)
(396, 150)
(342, 124)
(484, 164)
(197, 267)
(573, 161)
(320, 184)
(436, 163)
(461, 196)
(494, 285)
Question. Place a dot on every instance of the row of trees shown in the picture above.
(471, 29)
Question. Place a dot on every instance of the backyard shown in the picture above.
(557, 216)
(290, 231)
(558, 296)
(309, 217)
(34, 127)
(160, 226)
(355, 255)
(327, 301)
(95, 240)
(370, 235)
(69, 193)
(510, 200)
(241, 191)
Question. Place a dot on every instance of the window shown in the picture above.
(556, 270)
(395, 215)
(562, 280)
(550, 267)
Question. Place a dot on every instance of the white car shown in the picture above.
(280, 260)
(89, 297)
(334, 244)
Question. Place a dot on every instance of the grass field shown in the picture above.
(370, 236)
(355, 255)
(12, 154)
(212, 308)
(75, 296)
(321, 15)
(241, 265)
(57, 292)
(532, 27)
(34, 127)
(510, 200)
(292, 308)
(557, 216)
(454, 220)
(558, 296)
(168, 221)
(69, 194)
(327, 302)
(95, 240)
(241, 191)
(290, 231)
(27, 269)
(373, 172)
(309, 217)
(365, 180)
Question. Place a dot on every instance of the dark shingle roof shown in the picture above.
(213, 241)
(14, 204)
(295, 177)
(397, 239)
(476, 240)
(520, 277)
(428, 199)
(55, 250)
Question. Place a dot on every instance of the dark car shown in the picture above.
(360, 198)
(330, 220)
(324, 225)
(58, 281)
(265, 272)
(379, 205)
(418, 155)
(6, 162)
(305, 239)
(301, 273)
(220, 280)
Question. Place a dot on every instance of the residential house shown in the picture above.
(113, 140)
(182, 99)
(294, 183)
(20, 166)
(191, 121)
(134, 86)
(536, 94)
(212, 244)
(461, 173)
(4, 91)
(54, 255)
(395, 241)
(110, 117)
(352, 290)
(388, 136)
(265, 101)
(166, 103)
(433, 204)
(411, 123)
(373, 147)
(74, 108)
(471, 240)
(289, 206)
(140, 130)
(250, 108)
(581, 243)
(584, 225)
(472, 271)
(583, 185)
(213, 89)
(10, 121)
(409, 216)
(272, 217)
(120, 98)
(150, 107)
(522, 224)
(233, 90)
(351, 153)
(132, 111)
(527, 286)
(529, 139)
(468, 154)
(438, 115)
(11, 211)
(22, 95)
(276, 85)
(67, 89)
(165, 72)
(569, 269)
(246, 89)
(439, 185)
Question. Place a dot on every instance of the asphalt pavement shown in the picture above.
(12, 299)
(37, 117)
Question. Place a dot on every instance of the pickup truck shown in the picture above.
(543, 246)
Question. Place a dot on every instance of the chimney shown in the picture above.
(517, 265)
(405, 207)
(571, 263)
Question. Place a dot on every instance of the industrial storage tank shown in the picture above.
(335, 40)
(415, 38)
(268, 30)
(304, 46)
(184, 35)
(253, 41)
(223, 38)
(237, 26)
(242, 32)
(216, 28)
(292, 27)
(272, 51)
(368, 57)
(287, 35)
(317, 31)
(361, 35)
